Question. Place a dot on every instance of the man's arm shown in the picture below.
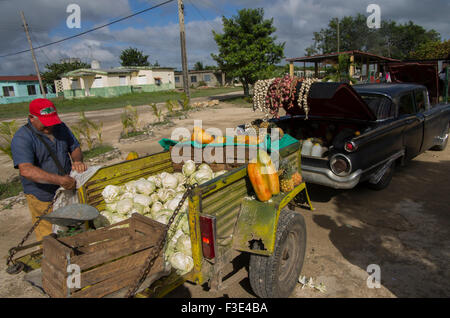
(36, 174)
(77, 158)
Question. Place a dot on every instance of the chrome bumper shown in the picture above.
(327, 178)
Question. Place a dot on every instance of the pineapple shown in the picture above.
(286, 181)
(297, 177)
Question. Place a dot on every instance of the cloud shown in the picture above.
(158, 37)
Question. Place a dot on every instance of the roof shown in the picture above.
(390, 89)
(19, 78)
(321, 57)
(199, 72)
(115, 70)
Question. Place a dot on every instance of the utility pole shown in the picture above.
(183, 49)
(338, 37)
(32, 54)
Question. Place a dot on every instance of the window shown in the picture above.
(406, 105)
(421, 98)
(98, 82)
(122, 80)
(380, 105)
(158, 81)
(193, 79)
(31, 89)
(177, 79)
(207, 78)
(75, 84)
(45, 89)
(8, 91)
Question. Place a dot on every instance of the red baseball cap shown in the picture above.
(46, 112)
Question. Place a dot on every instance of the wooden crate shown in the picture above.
(109, 258)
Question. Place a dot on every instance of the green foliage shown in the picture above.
(55, 70)
(170, 105)
(339, 72)
(392, 39)
(185, 105)
(130, 119)
(7, 131)
(432, 50)
(87, 131)
(198, 66)
(133, 57)
(10, 189)
(246, 47)
(97, 151)
(157, 112)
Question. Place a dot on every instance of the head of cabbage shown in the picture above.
(188, 168)
(124, 206)
(111, 193)
(181, 262)
(144, 186)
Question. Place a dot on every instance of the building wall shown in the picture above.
(21, 92)
(215, 79)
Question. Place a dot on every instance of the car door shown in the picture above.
(435, 123)
(413, 123)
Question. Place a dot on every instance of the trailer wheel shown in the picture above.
(275, 276)
(443, 145)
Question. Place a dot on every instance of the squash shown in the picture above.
(220, 140)
(132, 155)
(263, 176)
(201, 136)
(259, 181)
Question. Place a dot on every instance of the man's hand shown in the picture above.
(67, 182)
(79, 166)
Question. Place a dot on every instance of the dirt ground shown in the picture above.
(403, 229)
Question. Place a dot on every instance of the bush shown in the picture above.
(7, 131)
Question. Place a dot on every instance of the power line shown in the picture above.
(91, 30)
(201, 15)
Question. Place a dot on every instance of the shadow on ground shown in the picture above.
(404, 228)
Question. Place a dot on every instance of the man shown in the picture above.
(42, 173)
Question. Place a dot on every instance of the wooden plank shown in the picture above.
(51, 289)
(55, 252)
(109, 270)
(86, 238)
(55, 275)
(114, 252)
(104, 245)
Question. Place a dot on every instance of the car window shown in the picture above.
(421, 104)
(406, 105)
(379, 104)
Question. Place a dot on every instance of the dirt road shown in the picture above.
(403, 229)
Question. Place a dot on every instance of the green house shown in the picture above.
(17, 89)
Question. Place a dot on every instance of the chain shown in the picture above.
(150, 261)
(13, 250)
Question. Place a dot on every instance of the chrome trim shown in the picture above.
(342, 174)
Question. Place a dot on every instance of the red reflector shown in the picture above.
(207, 230)
(349, 146)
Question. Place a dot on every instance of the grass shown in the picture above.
(240, 101)
(97, 103)
(132, 134)
(10, 189)
(97, 151)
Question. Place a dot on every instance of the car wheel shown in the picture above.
(276, 276)
(385, 179)
(443, 145)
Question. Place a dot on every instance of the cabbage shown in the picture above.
(154, 197)
(166, 194)
(180, 177)
(203, 174)
(127, 195)
(169, 181)
(188, 168)
(181, 188)
(204, 166)
(145, 187)
(184, 245)
(101, 221)
(137, 208)
(111, 207)
(111, 193)
(143, 200)
(156, 207)
(130, 187)
(124, 206)
(181, 262)
(219, 173)
(163, 216)
(173, 203)
(156, 180)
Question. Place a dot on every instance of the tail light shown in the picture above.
(350, 146)
(340, 165)
(208, 234)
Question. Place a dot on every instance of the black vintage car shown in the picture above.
(365, 131)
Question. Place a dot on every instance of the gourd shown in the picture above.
(132, 155)
(263, 176)
(201, 136)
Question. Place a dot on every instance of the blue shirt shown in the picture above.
(27, 148)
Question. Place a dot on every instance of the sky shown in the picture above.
(156, 32)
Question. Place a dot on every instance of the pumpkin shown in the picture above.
(220, 140)
(201, 136)
(132, 155)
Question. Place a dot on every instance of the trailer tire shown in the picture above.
(276, 276)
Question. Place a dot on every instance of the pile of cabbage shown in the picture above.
(157, 197)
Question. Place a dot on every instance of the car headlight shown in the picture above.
(340, 165)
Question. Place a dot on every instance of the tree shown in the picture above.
(246, 47)
(432, 50)
(55, 70)
(198, 66)
(392, 39)
(133, 57)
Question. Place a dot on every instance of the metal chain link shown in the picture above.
(150, 261)
(13, 250)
